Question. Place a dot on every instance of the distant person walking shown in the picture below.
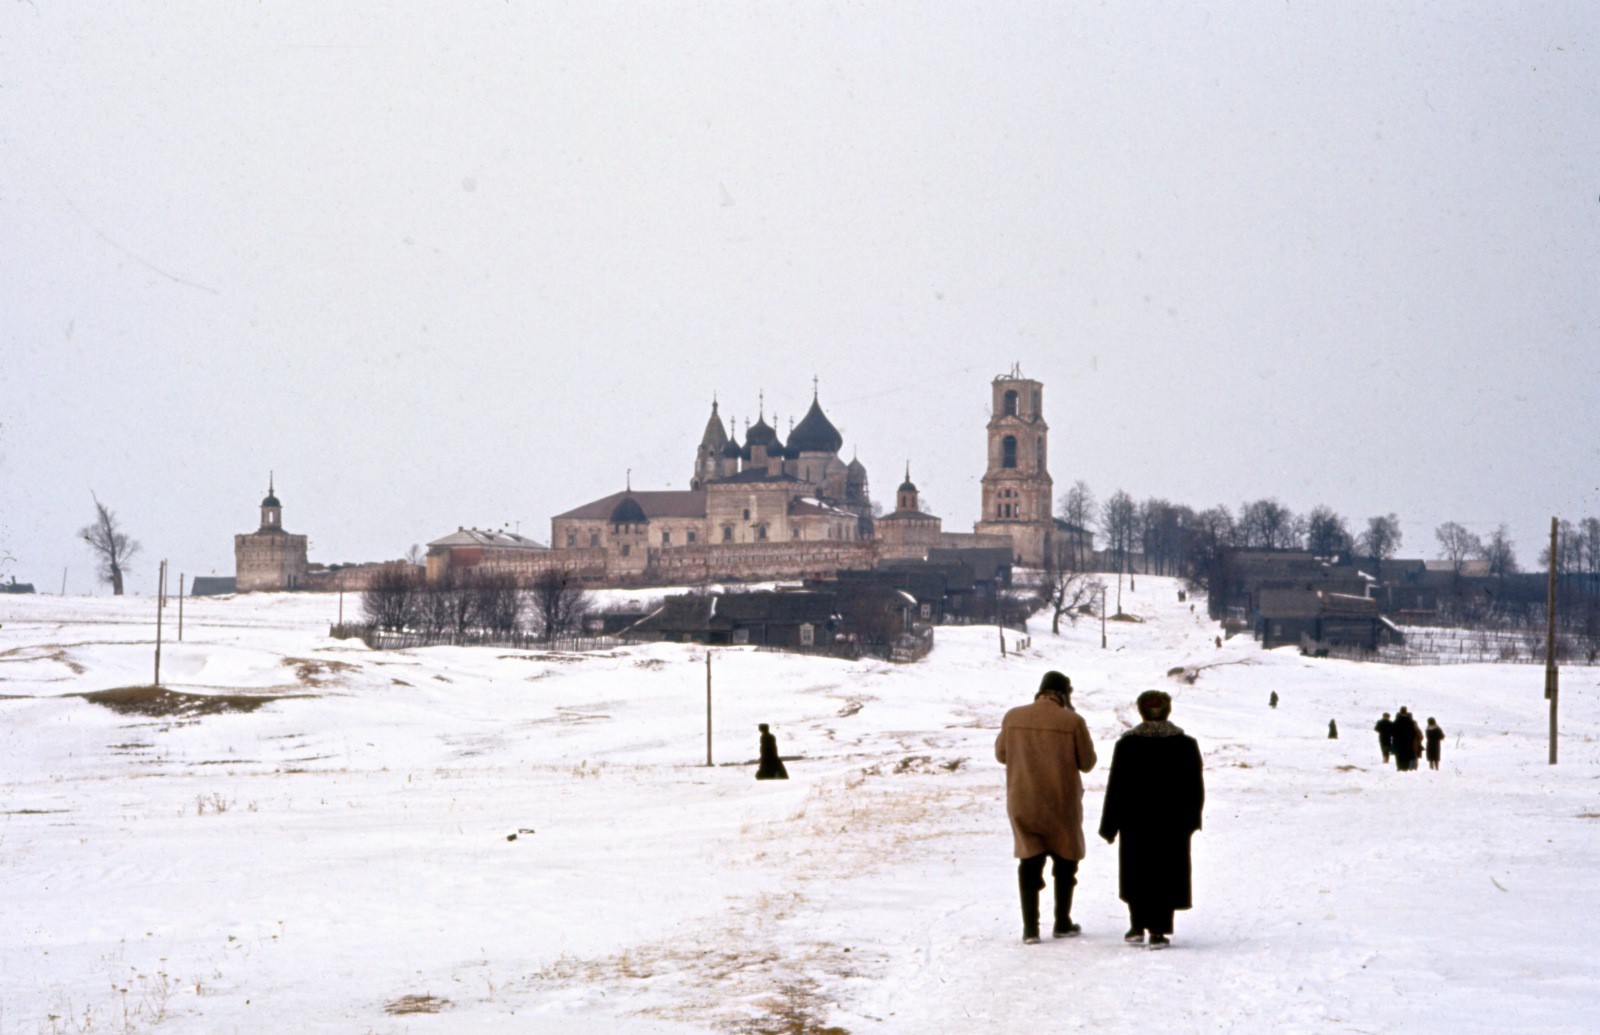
(1403, 738)
(1044, 747)
(1154, 796)
(1435, 737)
(1385, 729)
(770, 766)
(1333, 730)
(1272, 702)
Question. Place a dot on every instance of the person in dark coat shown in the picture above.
(1403, 738)
(1154, 796)
(1385, 730)
(1435, 737)
(1272, 702)
(771, 766)
(1333, 730)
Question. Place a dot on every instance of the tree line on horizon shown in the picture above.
(1196, 545)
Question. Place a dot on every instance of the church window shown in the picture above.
(761, 532)
(1011, 403)
(692, 536)
(666, 538)
(1008, 451)
(594, 538)
(572, 539)
(794, 533)
(747, 513)
(727, 533)
(625, 549)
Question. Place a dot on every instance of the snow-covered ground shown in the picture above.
(342, 854)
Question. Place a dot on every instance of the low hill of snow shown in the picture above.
(487, 840)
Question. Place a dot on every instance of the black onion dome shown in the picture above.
(271, 500)
(732, 451)
(815, 433)
(856, 472)
(762, 435)
(906, 486)
(628, 512)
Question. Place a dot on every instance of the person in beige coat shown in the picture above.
(1044, 747)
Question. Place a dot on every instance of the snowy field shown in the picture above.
(337, 860)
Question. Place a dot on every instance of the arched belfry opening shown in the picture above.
(1010, 408)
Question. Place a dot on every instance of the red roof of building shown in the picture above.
(667, 503)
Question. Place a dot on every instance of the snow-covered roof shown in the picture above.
(487, 537)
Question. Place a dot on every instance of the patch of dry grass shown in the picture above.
(317, 671)
(158, 701)
(416, 1004)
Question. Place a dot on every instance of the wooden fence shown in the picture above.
(384, 639)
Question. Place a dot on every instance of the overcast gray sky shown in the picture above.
(466, 264)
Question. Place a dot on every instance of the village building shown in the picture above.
(907, 533)
(270, 558)
(472, 547)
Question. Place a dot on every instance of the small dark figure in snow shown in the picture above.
(1045, 747)
(1333, 730)
(1385, 730)
(1272, 702)
(771, 767)
(1219, 643)
(1154, 795)
(1404, 737)
(1435, 737)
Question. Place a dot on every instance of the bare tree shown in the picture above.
(498, 601)
(1326, 534)
(1381, 539)
(1119, 522)
(1065, 590)
(1162, 527)
(416, 556)
(1077, 508)
(1500, 552)
(558, 603)
(1268, 524)
(392, 598)
(112, 547)
(1459, 545)
(1208, 556)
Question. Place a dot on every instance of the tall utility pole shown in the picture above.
(181, 577)
(1551, 673)
(161, 602)
(708, 707)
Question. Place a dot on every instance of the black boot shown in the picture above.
(1030, 880)
(1066, 880)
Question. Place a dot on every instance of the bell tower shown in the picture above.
(1017, 488)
